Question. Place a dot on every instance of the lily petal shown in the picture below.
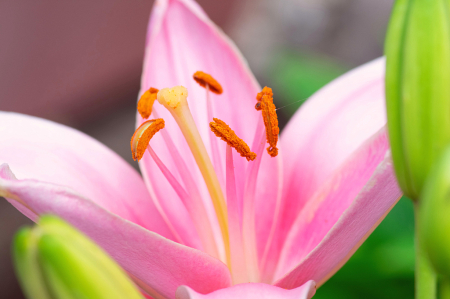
(39, 149)
(252, 291)
(323, 133)
(158, 265)
(358, 202)
(182, 40)
(331, 125)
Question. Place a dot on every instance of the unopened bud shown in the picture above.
(435, 215)
(54, 260)
(417, 89)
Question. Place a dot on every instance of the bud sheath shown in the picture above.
(435, 215)
(54, 260)
(418, 88)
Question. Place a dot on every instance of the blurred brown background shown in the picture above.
(79, 62)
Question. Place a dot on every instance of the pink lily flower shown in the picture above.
(289, 220)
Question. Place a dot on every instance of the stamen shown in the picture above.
(265, 99)
(142, 136)
(175, 100)
(222, 130)
(196, 210)
(205, 79)
(146, 101)
(238, 264)
(248, 219)
(217, 159)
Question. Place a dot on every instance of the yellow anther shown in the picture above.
(171, 98)
(222, 130)
(146, 101)
(142, 136)
(265, 101)
(205, 79)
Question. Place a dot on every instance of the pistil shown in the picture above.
(175, 100)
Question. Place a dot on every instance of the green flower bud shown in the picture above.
(418, 88)
(435, 215)
(54, 260)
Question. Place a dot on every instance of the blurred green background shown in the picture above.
(383, 267)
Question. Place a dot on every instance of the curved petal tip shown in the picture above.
(252, 291)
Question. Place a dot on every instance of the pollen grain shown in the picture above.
(146, 101)
(205, 79)
(222, 130)
(142, 136)
(266, 105)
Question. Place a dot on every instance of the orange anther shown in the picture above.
(142, 136)
(205, 79)
(266, 91)
(146, 101)
(265, 103)
(222, 130)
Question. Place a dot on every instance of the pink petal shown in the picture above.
(182, 40)
(5, 173)
(327, 205)
(339, 218)
(252, 291)
(325, 131)
(329, 127)
(158, 265)
(39, 149)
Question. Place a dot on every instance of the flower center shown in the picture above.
(240, 250)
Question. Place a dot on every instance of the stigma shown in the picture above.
(142, 136)
(269, 114)
(207, 81)
(145, 104)
(172, 98)
(223, 131)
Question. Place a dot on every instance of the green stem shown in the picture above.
(425, 277)
(444, 290)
